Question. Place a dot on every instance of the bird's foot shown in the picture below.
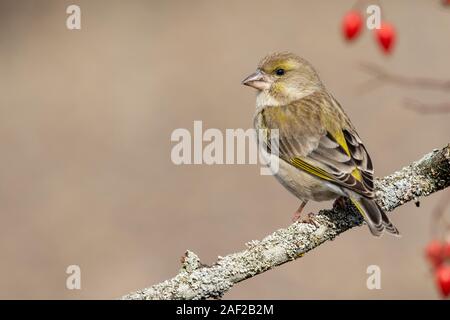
(298, 214)
(305, 218)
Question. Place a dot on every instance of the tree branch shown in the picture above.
(198, 281)
(424, 108)
(380, 76)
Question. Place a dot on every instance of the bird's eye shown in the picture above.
(279, 72)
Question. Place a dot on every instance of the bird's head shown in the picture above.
(282, 78)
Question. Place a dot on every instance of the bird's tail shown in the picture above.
(375, 217)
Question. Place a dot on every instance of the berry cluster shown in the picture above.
(438, 254)
(385, 35)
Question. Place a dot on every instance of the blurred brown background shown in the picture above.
(85, 123)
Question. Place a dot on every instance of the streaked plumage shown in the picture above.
(321, 155)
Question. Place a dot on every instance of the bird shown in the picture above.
(319, 152)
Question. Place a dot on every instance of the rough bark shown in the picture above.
(198, 281)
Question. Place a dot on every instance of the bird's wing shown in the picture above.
(341, 159)
(324, 149)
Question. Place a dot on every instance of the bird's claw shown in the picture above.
(305, 218)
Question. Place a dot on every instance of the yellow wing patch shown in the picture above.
(358, 206)
(340, 139)
(356, 174)
(301, 164)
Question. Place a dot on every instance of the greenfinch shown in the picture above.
(320, 154)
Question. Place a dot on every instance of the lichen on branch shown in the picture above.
(198, 281)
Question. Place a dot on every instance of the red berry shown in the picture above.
(434, 253)
(351, 24)
(443, 280)
(386, 36)
(446, 248)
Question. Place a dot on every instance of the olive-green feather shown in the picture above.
(331, 151)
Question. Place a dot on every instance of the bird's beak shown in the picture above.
(258, 80)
